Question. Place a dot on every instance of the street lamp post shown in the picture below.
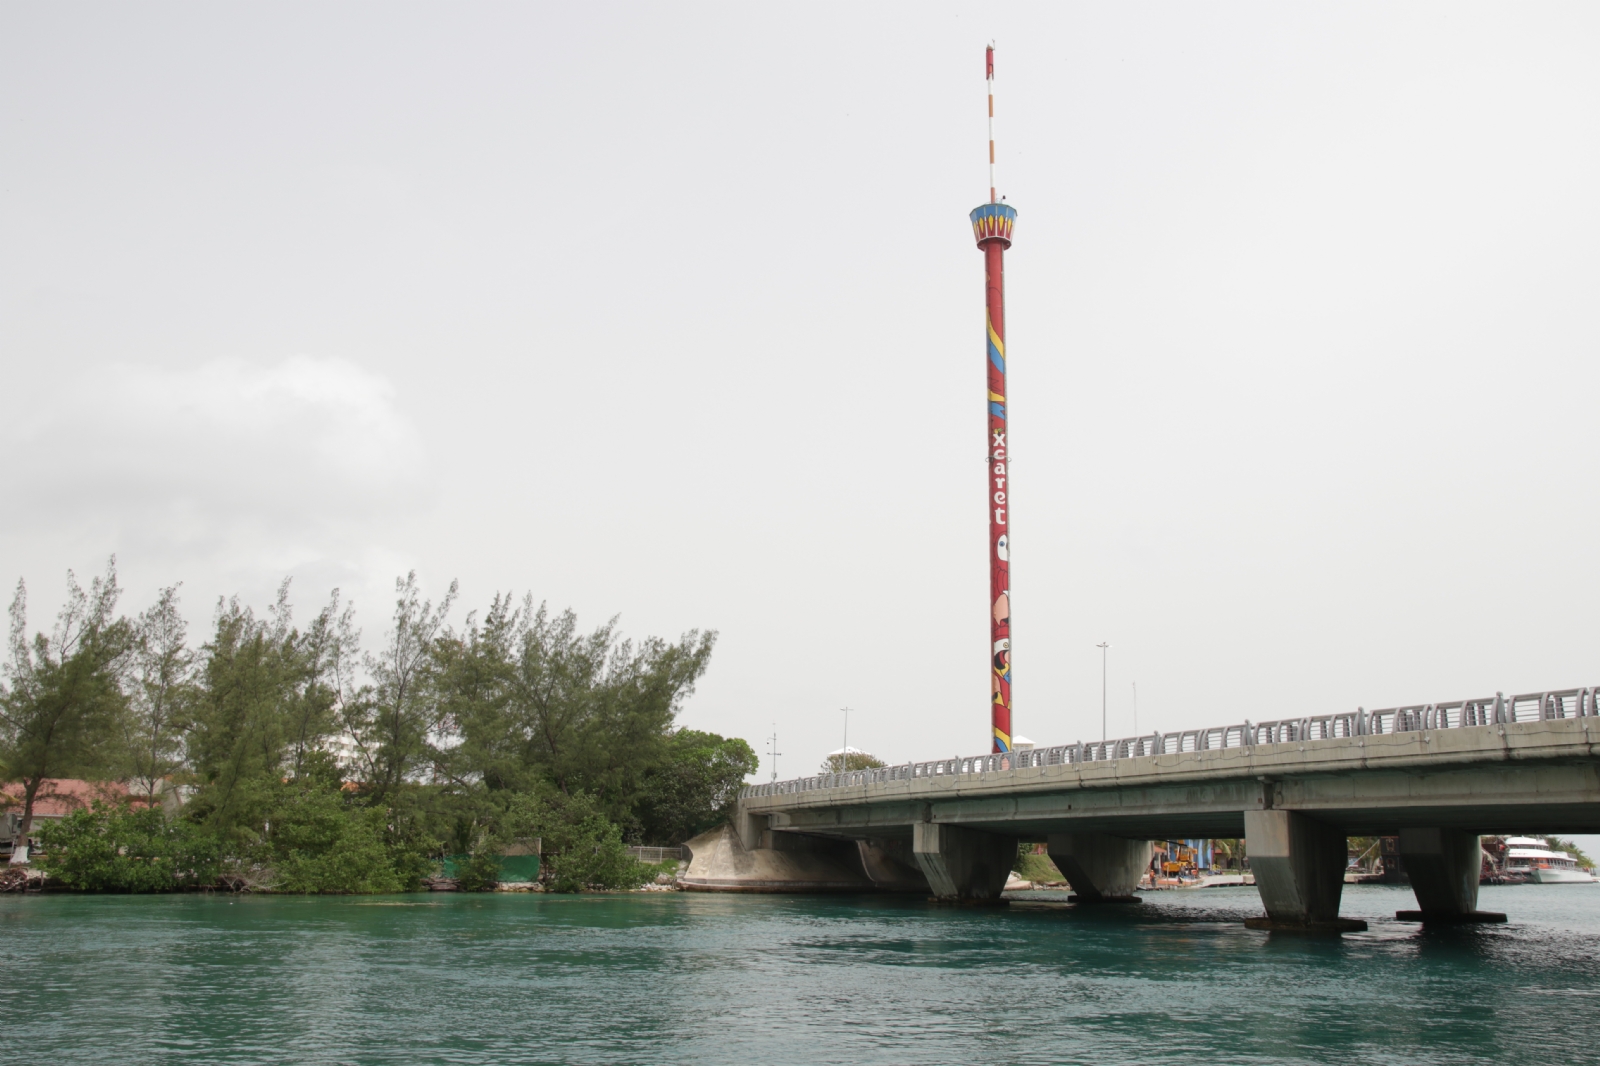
(1103, 646)
(844, 755)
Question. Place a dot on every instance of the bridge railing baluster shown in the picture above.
(1500, 710)
(1515, 711)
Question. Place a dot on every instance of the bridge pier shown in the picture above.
(750, 828)
(1299, 866)
(1443, 865)
(963, 864)
(1099, 867)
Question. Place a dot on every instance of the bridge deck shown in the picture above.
(1509, 777)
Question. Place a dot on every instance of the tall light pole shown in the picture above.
(772, 747)
(1103, 646)
(844, 755)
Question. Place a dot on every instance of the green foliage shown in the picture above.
(479, 872)
(62, 712)
(418, 820)
(693, 786)
(519, 726)
(1031, 867)
(582, 847)
(160, 687)
(593, 854)
(319, 843)
(534, 701)
(115, 849)
(263, 704)
(1231, 853)
(1560, 844)
(855, 760)
(394, 715)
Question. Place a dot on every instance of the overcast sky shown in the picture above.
(673, 312)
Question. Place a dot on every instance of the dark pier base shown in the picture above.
(1330, 925)
(1449, 917)
(1097, 900)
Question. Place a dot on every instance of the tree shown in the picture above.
(844, 762)
(581, 847)
(523, 724)
(394, 721)
(591, 853)
(474, 673)
(61, 714)
(319, 842)
(323, 684)
(694, 786)
(261, 709)
(118, 849)
(532, 700)
(161, 683)
(1571, 848)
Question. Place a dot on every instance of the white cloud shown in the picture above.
(286, 465)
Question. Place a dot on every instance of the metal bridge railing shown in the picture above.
(658, 855)
(1491, 710)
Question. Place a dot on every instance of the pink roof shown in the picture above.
(59, 796)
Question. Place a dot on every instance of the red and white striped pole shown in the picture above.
(988, 64)
(992, 225)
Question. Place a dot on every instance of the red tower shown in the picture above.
(992, 225)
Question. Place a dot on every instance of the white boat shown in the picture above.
(1536, 859)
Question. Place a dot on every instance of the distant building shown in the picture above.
(345, 750)
(57, 798)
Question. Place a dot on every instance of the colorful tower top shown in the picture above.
(992, 224)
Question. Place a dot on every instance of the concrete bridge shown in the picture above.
(1436, 775)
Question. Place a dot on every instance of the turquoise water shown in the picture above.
(707, 979)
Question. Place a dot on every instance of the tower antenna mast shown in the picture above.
(988, 63)
(992, 224)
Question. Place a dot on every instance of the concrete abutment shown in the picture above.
(778, 861)
(720, 862)
(892, 866)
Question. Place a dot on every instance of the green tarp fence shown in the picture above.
(513, 868)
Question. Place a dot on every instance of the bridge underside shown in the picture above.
(1526, 799)
(949, 835)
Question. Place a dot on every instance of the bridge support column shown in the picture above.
(750, 828)
(1443, 865)
(1298, 864)
(963, 864)
(1100, 868)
